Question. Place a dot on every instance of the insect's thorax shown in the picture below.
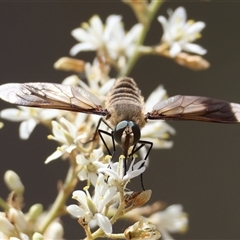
(125, 102)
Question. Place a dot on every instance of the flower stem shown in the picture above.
(58, 206)
(152, 9)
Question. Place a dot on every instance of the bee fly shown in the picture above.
(124, 109)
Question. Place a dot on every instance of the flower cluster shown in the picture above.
(14, 224)
(80, 144)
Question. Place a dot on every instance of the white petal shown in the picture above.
(109, 172)
(80, 34)
(75, 210)
(195, 28)
(194, 48)
(179, 17)
(14, 114)
(107, 86)
(58, 132)
(103, 222)
(97, 153)
(111, 21)
(157, 95)
(134, 173)
(96, 25)
(54, 156)
(86, 46)
(164, 22)
(155, 129)
(108, 196)
(138, 165)
(81, 197)
(160, 144)
(81, 160)
(93, 178)
(133, 34)
(26, 128)
(70, 127)
(70, 148)
(175, 49)
(47, 114)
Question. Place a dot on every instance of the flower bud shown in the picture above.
(13, 182)
(54, 231)
(37, 236)
(69, 64)
(193, 62)
(6, 227)
(18, 219)
(35, 211)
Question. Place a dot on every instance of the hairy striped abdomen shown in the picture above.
(125, 102)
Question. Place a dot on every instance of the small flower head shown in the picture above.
(89, 166)
(94, 36)
(67, 134)
(109, 40)
(93, 208)
(179, 33)
(142, 230)
(117, 175)
(29, 118)
(171, 220)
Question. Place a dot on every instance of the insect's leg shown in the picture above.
(101, 132)
(142, 144)
(134, 150)
(96, 131)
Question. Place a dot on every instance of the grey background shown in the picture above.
(201, 171)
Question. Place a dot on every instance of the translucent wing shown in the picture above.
(51, 95)
(196, 108)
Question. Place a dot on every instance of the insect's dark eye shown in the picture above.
(132, 131)
(135, 132)
(118, 131)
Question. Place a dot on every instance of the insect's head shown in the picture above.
(127, 133)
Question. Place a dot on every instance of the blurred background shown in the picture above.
(201, 171)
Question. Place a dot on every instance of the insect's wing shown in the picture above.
(196, 108)
(51, 95)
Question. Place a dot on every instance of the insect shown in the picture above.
(124, 110)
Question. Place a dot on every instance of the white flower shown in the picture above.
(180, 33)
(122, 45)
(110, 40)
(94, 36)
(171, 220)
(117, 174)
(92, 209)
(97, 71)
(29, 117)
(157, 132)
(90, 165)
(67, 135)
(96, 88)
